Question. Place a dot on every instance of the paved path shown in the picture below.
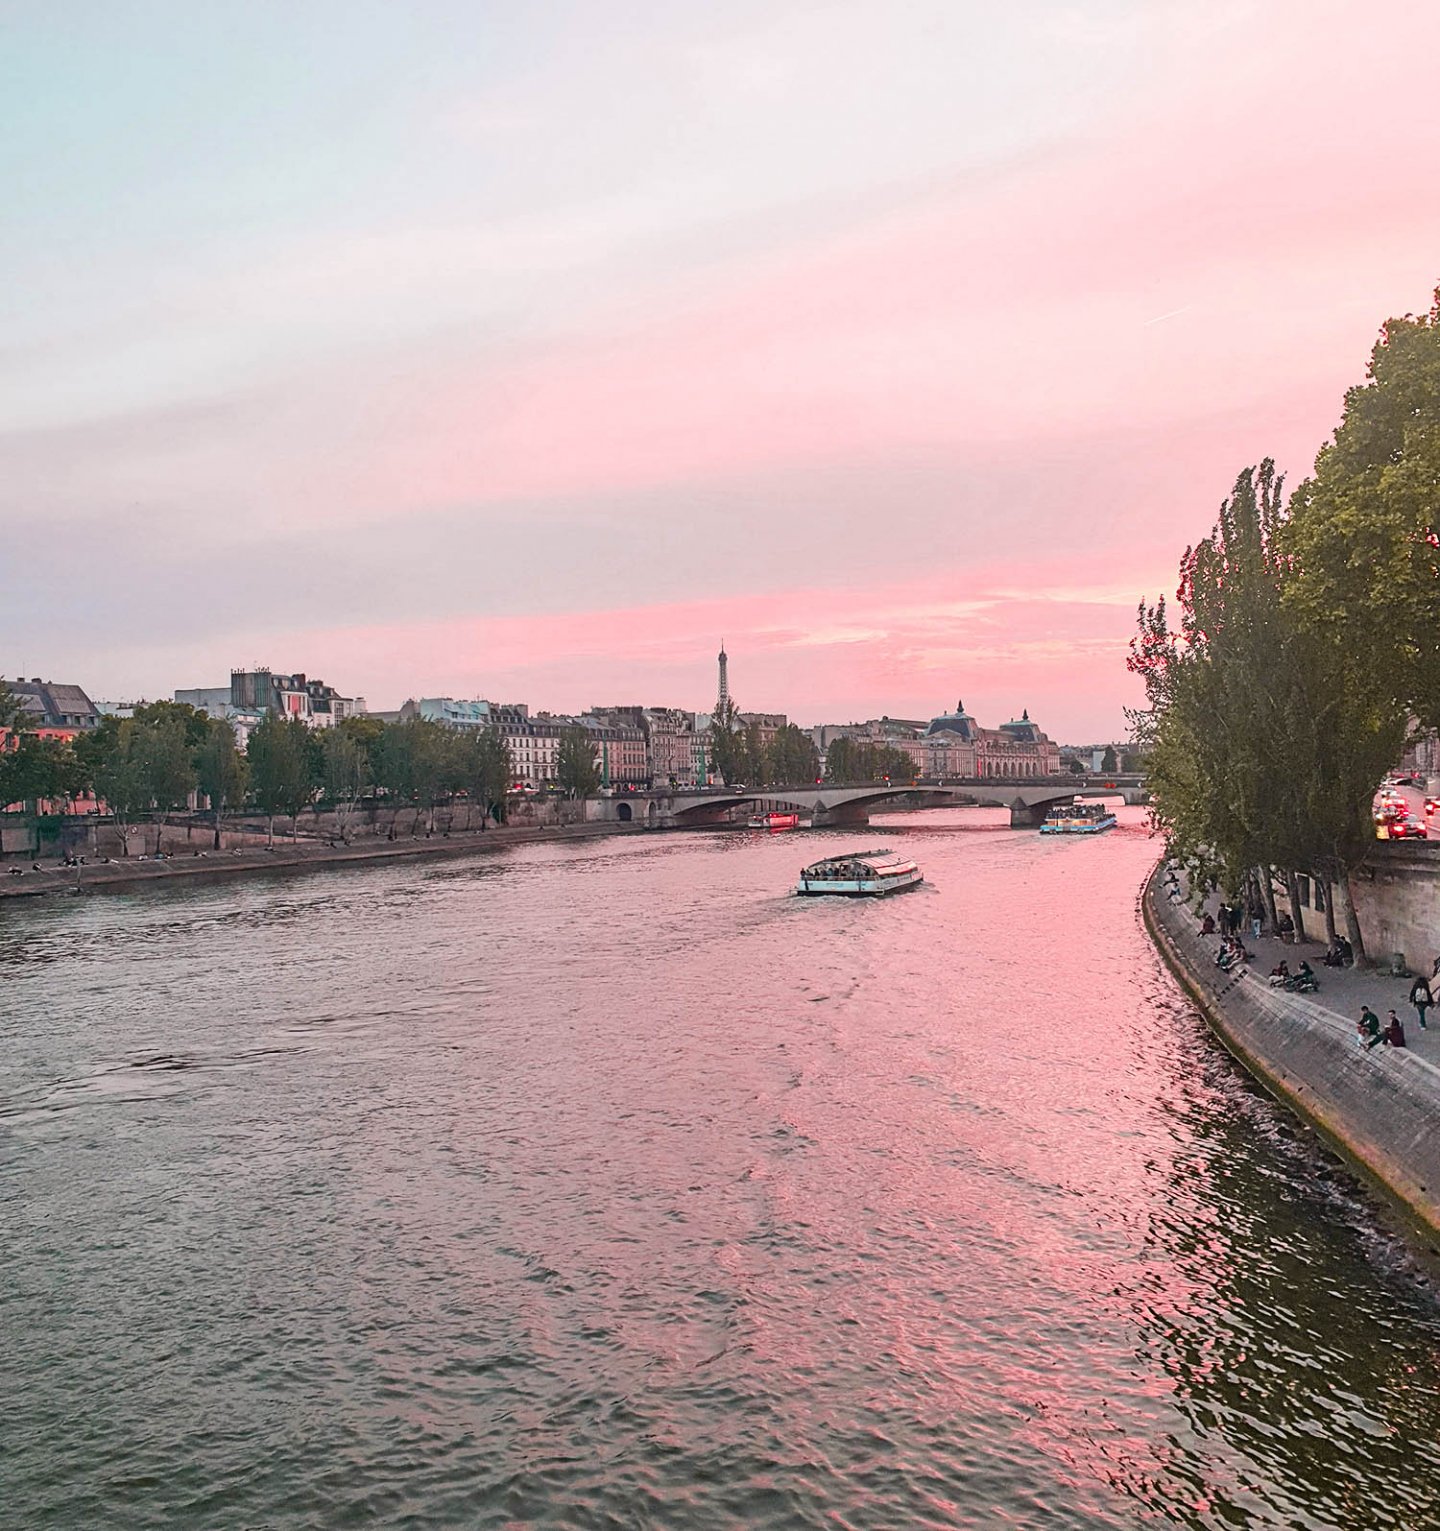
(130, 872)
(1342, 990)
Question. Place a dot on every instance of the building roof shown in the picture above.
(53, 705)
(1021, 729)
(958, 722)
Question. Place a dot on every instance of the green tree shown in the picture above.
(483, 760)
(754, 758)
(193, 722)
(164, 749)
(111, 758)
(12, 714)
(412, 765)
(727, 744)
(1108, 762)
(1262, 746)
(221, 770)
(1365, 528)
(430, 763)
(345, 771)
(279, 758)
(843, 763)
(575, 763)
(793, 758)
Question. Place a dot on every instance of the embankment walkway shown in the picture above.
(131, 872)
(1380, 1107)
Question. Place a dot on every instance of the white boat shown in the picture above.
(860, 874)
(1078, 819)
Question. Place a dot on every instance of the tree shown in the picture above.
(345, 769)
(793, 758)
(851, 761)
(727, 744)
(13, 714)
(164, 755)
(575, 763)
(1262, 745)
(111, 758)
(412, 764)
(221, 770)
(279, 758)
(754, 760)
(483, 769)
(1365, 528)
(1108, 762)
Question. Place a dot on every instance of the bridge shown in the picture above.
(829, 804)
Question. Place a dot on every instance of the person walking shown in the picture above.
(1422, 998)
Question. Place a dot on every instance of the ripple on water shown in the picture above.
(605, 1185)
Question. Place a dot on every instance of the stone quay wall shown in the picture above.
(1380, 1108)
(1397, 901)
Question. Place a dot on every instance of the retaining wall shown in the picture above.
(1381, 1107)
(1397, 901)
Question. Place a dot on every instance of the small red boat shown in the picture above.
(775, 821)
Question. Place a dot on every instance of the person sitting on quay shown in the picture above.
(1422, 998)
(1207, 925)
(1394, 1032)
(1369, 1028)
(1280, 974)
(1305, 981)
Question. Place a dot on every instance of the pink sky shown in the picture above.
(904, 350)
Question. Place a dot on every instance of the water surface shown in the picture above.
(605, 1185)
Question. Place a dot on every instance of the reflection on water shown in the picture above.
(606, 1185)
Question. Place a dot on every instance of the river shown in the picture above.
(603, 1184)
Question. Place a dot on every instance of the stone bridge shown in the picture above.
(826, 805)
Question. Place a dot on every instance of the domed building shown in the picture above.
(956, 745)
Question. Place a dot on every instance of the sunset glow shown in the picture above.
(522, 353)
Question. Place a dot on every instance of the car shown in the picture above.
(1408, 829)
(1432, 805)
(1388, 813)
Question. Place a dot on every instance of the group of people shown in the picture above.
(1301, 981)
(1370, 1033)
(1231, 954)
(1340, 954)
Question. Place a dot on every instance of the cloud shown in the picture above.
(834, 330)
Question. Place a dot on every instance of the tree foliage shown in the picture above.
(1264, 743)
(280, 768)
(483, 769)
(1365, 530)
(575, 763)
(727, 744)
(854, 761)
(792, 758)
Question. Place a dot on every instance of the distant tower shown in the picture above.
(723, 695)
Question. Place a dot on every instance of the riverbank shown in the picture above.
(1380, 1108)
(130, 872)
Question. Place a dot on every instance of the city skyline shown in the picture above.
(522, 355)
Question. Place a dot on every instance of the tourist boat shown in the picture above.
(1078, 819)
(775, 821)
(860, 874)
